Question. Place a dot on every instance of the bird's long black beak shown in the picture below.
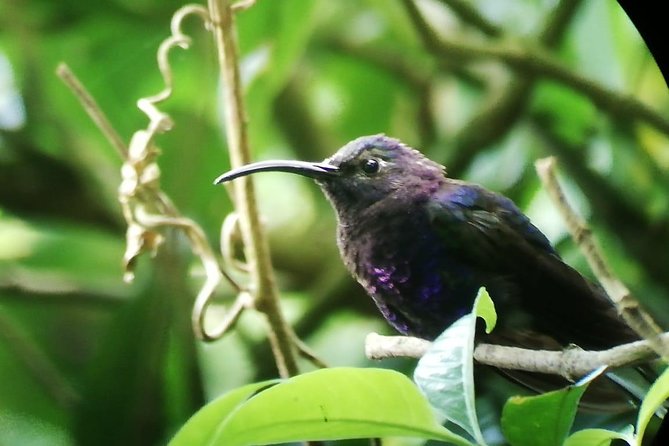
(317, 171)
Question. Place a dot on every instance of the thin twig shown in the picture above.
(230, 318)
(264, 287)
(213, 273)
(618, 208)
(469, 14)
(229, 235)
(145, 206)
(242, 5)
(177, 38)
(628, 307)
(92, 108)
(307, 353)
(570, 363)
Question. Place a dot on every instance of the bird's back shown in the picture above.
(534, 290)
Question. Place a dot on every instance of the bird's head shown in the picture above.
(361, 173)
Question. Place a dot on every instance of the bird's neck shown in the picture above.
(413, 194)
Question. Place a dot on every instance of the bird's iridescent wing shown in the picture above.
(494, 236)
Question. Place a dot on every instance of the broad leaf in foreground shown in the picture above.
(657, 395)
(202, 426)
(328, 404)
(446, 372)
(543, 420)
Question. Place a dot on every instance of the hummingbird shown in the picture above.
(422, 244)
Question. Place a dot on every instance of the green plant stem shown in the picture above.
(256, 246)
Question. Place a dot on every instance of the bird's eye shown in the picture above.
(370, 166)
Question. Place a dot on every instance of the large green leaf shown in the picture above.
(543, 420)
(446, 372)
(328, 404)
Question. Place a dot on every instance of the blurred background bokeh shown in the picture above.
(88, 359)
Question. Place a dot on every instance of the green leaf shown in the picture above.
(598, 437)
(543, 420)
(446, 372)
(657, 395)
(485, 309)
(202, 426)
(328, 404)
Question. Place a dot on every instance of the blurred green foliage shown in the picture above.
(87, 359)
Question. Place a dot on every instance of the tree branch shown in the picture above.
(635, 316)
(536, 60)
(503, 107)
(616, 208)
(570, 363)
(469, 14)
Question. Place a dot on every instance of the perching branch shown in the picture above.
(570, 363)
(635, 316)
